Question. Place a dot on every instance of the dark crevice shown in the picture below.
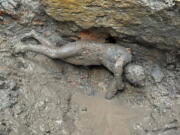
(111, 39)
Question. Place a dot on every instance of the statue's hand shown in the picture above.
(19, 48)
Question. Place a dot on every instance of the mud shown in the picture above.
(41, 96)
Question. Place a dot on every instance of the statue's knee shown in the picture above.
(119, 85)
(54, 54)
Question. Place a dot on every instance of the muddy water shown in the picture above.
(102, 117)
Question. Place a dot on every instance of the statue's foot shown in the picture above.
(28, 35)
(110, 94)
(120, 86)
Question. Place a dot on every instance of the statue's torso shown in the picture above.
(92, 53)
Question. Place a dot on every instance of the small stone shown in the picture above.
(84, 109)
(157, 74)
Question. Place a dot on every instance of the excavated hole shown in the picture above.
(98, 34)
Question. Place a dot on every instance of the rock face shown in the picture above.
(148, 22)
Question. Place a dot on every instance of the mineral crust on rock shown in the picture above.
(151, 23)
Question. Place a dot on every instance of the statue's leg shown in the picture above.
(38, 37)
(117, 82)
(52, 52)
(41, 39)
(113, 90)
(118, 70)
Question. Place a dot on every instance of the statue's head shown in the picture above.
(135, 75)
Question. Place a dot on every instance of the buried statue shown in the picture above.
(85, 52)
